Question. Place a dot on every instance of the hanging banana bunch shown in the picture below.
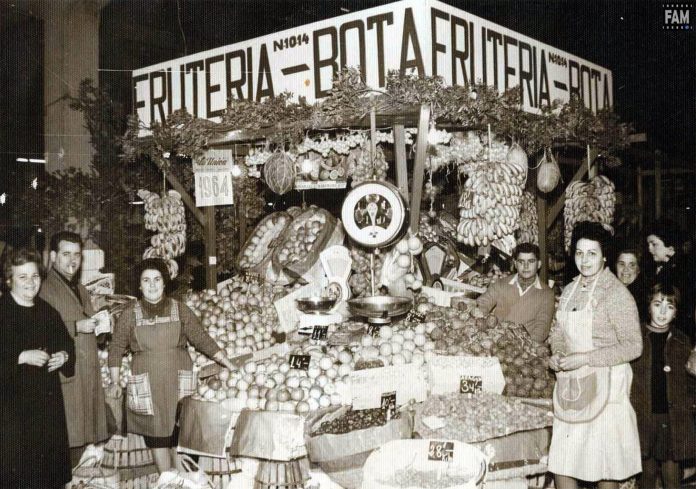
(588, 201)
(167, 216)
(489, 205)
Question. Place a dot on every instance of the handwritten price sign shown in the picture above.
(299, 362)
(320, 332)
(442, 451)
(470, 384)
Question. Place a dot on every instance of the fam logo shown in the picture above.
(677, 16)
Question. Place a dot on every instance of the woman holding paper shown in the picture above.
(595, 335)
(34, 346)
(156, 329)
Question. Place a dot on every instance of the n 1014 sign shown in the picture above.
(213, 177)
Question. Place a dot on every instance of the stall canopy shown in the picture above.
(425, 37)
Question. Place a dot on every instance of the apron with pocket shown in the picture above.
(162, 373)
(595, 434)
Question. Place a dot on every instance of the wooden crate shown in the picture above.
(133, 460)
(219, 470)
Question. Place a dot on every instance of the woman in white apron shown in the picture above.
(596, 334)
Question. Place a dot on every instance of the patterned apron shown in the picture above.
(160, 372)
(601, 442)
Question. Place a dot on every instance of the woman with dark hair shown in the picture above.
(156, 329)
(596, 334)
(664, 242)
(628, 270)
(34, 347)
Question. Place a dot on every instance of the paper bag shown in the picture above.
(269, 435)
(204, 427)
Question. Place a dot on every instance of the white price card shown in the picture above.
(468, 375)
(368, 386)
(213, 178)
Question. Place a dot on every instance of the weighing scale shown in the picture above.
(374, 216)
(320, 311)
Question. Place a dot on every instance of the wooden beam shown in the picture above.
(541, 224)
(209, 233)
(400, 157)
(666, 171)
(186, 198)
(419, 166)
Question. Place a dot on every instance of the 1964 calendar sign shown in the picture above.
(213, 178)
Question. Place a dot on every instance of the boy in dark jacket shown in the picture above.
(663, 393)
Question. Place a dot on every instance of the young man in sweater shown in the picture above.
(522, 298)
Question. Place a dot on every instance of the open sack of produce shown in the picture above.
(425, 464)
(339, 440)
(300, 244)
(513, 434)
(255, 255)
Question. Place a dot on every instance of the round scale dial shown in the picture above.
(374, 214)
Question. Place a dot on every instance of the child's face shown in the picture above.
(662, 312)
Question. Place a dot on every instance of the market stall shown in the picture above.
(351, 316)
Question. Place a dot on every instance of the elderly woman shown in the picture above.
(34, 347)
(627, 268)
(156, 329)
(595, 336)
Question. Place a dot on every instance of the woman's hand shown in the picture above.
(35, 358)
(114, 391)
(554, 362)
(57, 360)
(574, 361)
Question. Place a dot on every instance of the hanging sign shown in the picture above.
(423, 37)
(213, 177)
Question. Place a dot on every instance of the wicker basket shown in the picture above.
(220, 471)
(283, 475)
(131, 458)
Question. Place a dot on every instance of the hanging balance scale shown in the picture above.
(374, 216)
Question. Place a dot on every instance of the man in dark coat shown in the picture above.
(85, 407)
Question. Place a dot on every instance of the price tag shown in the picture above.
(299, 362)
(415, 317)
(373, 329)
(320, 332)
(442, 451)
(388, 404)
(470, 384)
(213, 178)
(252, 278)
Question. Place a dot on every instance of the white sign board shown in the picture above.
(368, 386)
(425, 37)
(466, 375)
(213, 178)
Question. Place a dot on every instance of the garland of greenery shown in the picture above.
(470, 107)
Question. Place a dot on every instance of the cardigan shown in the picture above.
(191, 330)
(616, 334)
(534, 309)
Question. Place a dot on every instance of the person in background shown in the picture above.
(34, 347)
(663, 394)
(522, 298)
(663, 238)
(85, 406)
(595, 335)
(628, 271)
(156, 329)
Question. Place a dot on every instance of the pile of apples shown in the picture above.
(300, 240)
(240, 317)
(273, 385)
(398, 345)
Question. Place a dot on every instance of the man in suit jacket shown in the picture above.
(522, 298)
(83, 395)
